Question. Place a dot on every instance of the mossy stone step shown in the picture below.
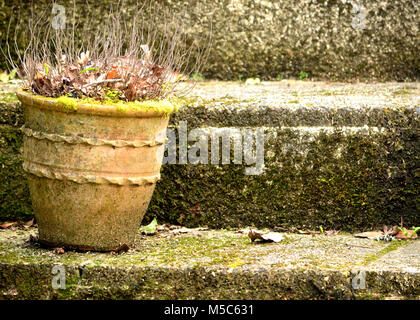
(341, 156)
(209, 264)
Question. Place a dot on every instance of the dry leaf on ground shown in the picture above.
(405, 234)
(29, 224)
(181, 230)
(7, 225)
(332, 232)
(150, 229)
(369, 234)
(58, 251)
(308, 232)
(392, 231)
(265, 237)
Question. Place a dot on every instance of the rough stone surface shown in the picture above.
(343, 156)
(208, 264)
(334, 39)
(405, 259)
(14, 191)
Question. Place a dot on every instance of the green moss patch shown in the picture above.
(166, 105)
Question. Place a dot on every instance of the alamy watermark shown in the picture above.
(247, 145)
(59, 19)
(359, 20)
(358, 282)
(59, 279)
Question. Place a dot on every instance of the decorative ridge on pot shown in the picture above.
(92, 141)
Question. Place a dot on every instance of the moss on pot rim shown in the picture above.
(166, 105)
(107, 107)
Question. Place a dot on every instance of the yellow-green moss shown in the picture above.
(394, 245)
(8, 97)
(68, 103)
(403, 91)
(166, 106)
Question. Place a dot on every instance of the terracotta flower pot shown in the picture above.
(91, 170)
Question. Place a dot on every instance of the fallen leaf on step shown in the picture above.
(58, 251)
(265, 237)
(392, 231)
(181, 230)
(251, 81)
(369, 234)
(308, 232)
(122, 248)
(272, 237)
(150, 229)
(162, 228)
(254, 235)
(29, 224)
(332, 232)
(405, 233)
(7, 225)
(12, 292)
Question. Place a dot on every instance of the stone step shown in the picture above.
(341, 156)
(291, 103)
(210, 264)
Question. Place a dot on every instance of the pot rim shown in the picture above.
(40, 102)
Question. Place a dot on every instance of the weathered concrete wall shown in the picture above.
(347, 160)
(281, 38)
(284, 37)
